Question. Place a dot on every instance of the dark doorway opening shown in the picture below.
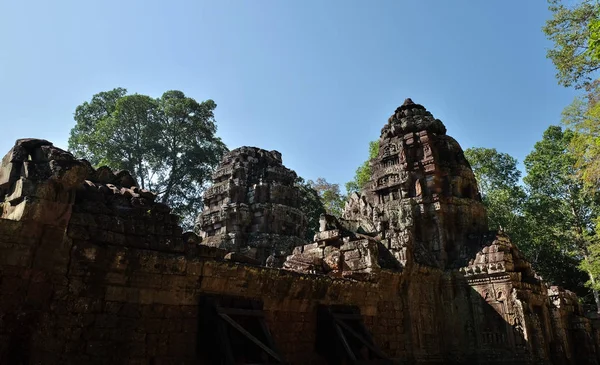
(342, 337)
(233, 331)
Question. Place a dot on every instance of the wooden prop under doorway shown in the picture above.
(342, 337)
(242, 336)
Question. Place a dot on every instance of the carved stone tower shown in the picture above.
(252, 206)
(423, 198)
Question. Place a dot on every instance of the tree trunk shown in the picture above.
(141, 175)
(596, 295)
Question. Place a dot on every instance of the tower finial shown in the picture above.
(408, 101)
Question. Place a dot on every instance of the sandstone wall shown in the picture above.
(103, 302)
(93, 271)
(107, 303)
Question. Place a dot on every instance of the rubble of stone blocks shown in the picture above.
(337, 251)
(498, 255)
(252, 207)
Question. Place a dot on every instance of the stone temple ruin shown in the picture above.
(93, 270)
(252, 207)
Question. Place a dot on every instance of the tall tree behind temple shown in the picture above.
(312, 205)
(363, 173)
(560, 211)
(575, 32)
(583, 118)
(331, 197)
(168, 144)
(509, 208)
(498, 179)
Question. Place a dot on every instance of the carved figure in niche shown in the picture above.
(365, 207)
(387, 150)
(379, 226)
(402, 156)
(405, 217)
(427, 151)
(418, 188)
(391, 148)
(486, 295)
(500, 296)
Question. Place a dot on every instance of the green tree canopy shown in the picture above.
(594, 40)
(331, 197)
(169, 144)
(574, 33)
(312, 205)
(560, 213)
(493, 170)
(498, 179)
(363, 173)
(582, 116)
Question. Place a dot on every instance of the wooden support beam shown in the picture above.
(251, 337)
(340, 334)
(372, 347)
(225, 342)
(265, 329)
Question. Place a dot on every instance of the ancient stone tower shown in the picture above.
(423, 198)
(252, 207)
(94, 271)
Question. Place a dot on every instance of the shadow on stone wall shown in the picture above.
(93, 270)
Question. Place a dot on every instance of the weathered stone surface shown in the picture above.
(337, 251)
(252, 206)
(94, 270)
(423, 201)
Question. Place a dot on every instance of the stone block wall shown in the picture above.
(93, 270)
(252, 207)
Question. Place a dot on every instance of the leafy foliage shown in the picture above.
(560, 212)
(526, 213)
(583, 118)
(594, 40)
(574, 32)
(312, 205)
(493, 170)
(331, 197)
(498, 179)
(168, 144)
(363, 173)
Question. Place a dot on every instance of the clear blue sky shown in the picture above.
(313, 79)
